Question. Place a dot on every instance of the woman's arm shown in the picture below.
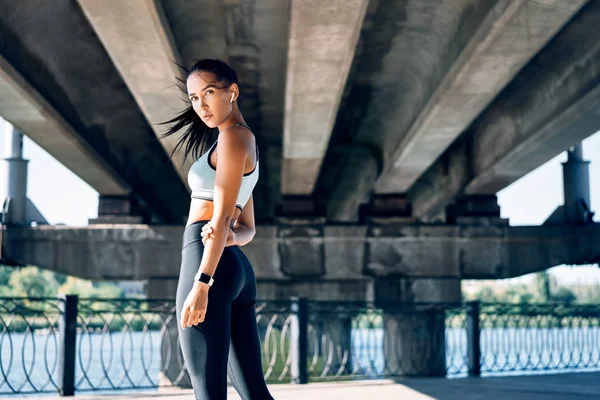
(241, 232)
(230, 169)
(244, 229)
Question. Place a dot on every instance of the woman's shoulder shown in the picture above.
(238, 135)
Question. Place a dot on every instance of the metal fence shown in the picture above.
(537, 337)
(70, 344)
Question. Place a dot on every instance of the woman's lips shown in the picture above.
(207, 117)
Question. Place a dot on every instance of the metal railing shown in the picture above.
(538, 337)
(70, 344)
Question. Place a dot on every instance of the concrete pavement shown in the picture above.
(584, 385)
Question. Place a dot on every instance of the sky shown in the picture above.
(62, 197)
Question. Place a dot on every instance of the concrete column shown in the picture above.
(576, 184)
(349, 186)
(414, 332)
(332, 340)
(301, 246)
(387, 205)
(117, 209)
(293, 207)
(13, 171)
(171, 356)
(414, 341)
(467, 209)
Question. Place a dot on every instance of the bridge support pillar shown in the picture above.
(414, 332)
(19, 209)
(387, 205)
(333, 340)
(473, 209)
(117, 209)
(576, 184)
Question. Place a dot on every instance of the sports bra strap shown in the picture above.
(209, 152)
(246, 126)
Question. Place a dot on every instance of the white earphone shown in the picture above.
(232, 96)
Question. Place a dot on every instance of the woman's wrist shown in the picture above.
(201, 285)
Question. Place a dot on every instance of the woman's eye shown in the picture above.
(208, 92)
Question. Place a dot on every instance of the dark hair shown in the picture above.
(197, 136)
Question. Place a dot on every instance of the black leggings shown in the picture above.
(226, 343)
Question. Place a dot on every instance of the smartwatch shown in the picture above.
(205, 278)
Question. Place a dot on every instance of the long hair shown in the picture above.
(197, 135)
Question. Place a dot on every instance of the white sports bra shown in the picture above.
(202, 176)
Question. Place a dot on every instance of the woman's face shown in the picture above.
(210, 98)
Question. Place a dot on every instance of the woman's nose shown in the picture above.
(203, 103)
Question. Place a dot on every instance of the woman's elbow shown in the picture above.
(222, 219)
(248, 234)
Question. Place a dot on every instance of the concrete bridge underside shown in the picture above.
(352, 101)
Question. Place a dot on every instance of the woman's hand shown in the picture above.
(193, 310)
(207, 231)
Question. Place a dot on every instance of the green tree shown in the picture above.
(594, 294)
(87, 288)
(74, 285)
(5, 272)
(107, 290)
(60, 278)
(31, 282)
(564, 295)
(6, 291)
(544, 283)
(486, 293)
(517, 294)
(526, 298)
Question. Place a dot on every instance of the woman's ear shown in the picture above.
(235, 92)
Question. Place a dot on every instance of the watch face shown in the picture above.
(204, 278)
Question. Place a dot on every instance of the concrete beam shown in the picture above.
(271, 31)
(563, 245)
(137, 37)
(54, 47)
(323, 37)
(551, 105)
(288, 254)
(404, 51)
(25, 108)
(511, 33)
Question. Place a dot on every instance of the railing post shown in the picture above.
(299, 340)
(66, 356)
(473, 339)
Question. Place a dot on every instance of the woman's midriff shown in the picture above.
(203, 210)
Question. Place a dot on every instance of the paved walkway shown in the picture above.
(584, 385)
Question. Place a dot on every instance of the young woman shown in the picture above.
(216, 291)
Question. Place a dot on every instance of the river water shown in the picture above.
(130, 360)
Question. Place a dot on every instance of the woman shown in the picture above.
(216, 291)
